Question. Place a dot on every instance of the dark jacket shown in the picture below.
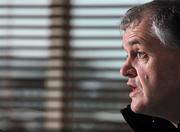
(144, 123)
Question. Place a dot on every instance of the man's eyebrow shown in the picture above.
(133, 42)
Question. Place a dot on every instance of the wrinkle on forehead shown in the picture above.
(140, 29)
(141, 35)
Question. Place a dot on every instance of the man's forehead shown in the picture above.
(136, 34)
(134, 37)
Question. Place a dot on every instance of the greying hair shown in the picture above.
(164, 18)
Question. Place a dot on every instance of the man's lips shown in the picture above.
(132, 87)
(134, 90)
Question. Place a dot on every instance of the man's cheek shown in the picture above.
(143, 75)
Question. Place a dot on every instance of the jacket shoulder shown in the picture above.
(146, 123)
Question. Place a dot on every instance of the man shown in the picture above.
(151, 39)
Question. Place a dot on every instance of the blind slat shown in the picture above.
(30, 52)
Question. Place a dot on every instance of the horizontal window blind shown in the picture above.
(59, 65)
(95, 90)
(31, 63)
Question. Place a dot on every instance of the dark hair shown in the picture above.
(164, 18)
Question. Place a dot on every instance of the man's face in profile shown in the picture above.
(153, 71)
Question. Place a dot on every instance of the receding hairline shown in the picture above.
(137, 13)
(163, 17)
(142, 12)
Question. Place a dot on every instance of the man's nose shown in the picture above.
(128, 70)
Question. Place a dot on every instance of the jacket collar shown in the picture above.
(145, 123)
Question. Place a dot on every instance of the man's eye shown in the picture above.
(141, 55)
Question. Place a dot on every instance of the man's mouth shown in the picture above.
(134, 90)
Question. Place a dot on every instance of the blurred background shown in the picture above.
(59, 65)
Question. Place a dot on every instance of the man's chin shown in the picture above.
(141, 109)
(138, 108)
